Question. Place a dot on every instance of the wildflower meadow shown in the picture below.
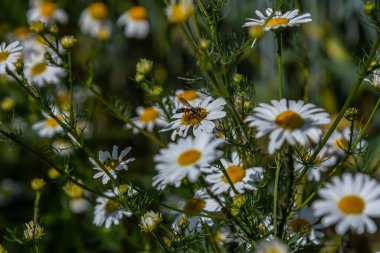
(189, 126)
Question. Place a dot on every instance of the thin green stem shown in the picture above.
(227, 177)
(279, 63)
(275, 194)
(71, 84)
(360, 136)
(127, 120)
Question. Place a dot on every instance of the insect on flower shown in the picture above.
(189, 108)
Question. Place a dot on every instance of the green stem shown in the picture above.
(71, 84)
(127, 119)
(360, 136)
(275, 195)
(227, 177)
(279, 63)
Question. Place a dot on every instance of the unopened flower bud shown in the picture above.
(37, 27)
(235, 211)
(139, 78)
(47, 56)
(53, 173)
(37, 184)
(369, 7)
(239, 201)
(73, 191)
(123, 188)
(150, 221)
(204, 43)
(19, 65)
(183, 222)
(54, 29)
(8, 104)
(68, 41)
(351, 114)
(237, 78)
(33, 231)
(144, 67)
(157, 90)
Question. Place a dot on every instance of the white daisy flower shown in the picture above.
(112, 162)
(135, 21)
(108, 211)
(20, 33)
(339, 141)
(149, 117)
(279, 20)
(200, 118)
(201, 203)
(375, 81)
(39, 72)
(350, 201)
(193, 97)
(48, 13)
(321, 164)
(288, 120)
(178, 12)
(94, 21)
(305, 223)
(183, 160)
(49, 126)
(9, 54)
(243, 179)
(271, 247)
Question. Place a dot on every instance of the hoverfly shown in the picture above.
(188, 108)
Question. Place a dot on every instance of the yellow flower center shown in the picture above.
(235, 173)
(138, 13)
(110, 165)
(38, 68)
(111, 206)
(351, 204)
(191, 118)
(4, 56)
(277, 21)
(98, 11)
(256, 31)
(188, 95)
(194, 206)
(289, 120)
(189, 157)
(180, 13)
(149, 114)
(50, 122)
(47, 9)
(273, 249)
(300, 226)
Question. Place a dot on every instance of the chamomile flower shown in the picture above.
(48, 13)
(288, 120)
(279, 20)
(9, 54)
(149, 117)
(242, 179)
(200, 118)
(340, 140)
(350, 201)
(200, 203)
(49, 126)
(112, 162)
(94, 21)
(108, 211)
(321, 164)
(375, 81)
(135, 22)
(39, 72)
(178, 12)
(183, 160)
(305, 223)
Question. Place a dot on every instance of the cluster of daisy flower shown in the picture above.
(217, 164)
